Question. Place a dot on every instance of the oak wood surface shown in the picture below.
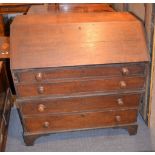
(4, 48)
(79, 104)
(76, 71)
(74, 86)
(1, 26)
(96, 39)
(76, 7)
(69, 7)
(83, 120)
(9, 8)
(50, 74)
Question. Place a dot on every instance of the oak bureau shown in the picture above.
(78, 71)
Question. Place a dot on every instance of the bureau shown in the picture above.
(78, 71)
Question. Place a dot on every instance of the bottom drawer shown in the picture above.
(73, 121)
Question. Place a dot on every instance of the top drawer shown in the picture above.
(40, 75)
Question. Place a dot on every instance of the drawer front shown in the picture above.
(39, 75)
(75, 121)
(80, 86)
(79, 104)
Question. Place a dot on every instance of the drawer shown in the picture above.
(80, 86)
(39, 75)
(54, 123)
(79, 104)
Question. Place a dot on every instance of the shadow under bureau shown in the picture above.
(78, 71)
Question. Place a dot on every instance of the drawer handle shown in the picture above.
(39, 76)
(118, 118)
(40, 89)
(125, 71)
(120, 101)
(46, 124)
(123, 84)
(41, 107)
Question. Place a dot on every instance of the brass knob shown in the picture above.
(46, 124)
(120, 101)
(125, 71)
(122, 84)
(118, 118)
(41, 107)
(40, 89)
(39, 76)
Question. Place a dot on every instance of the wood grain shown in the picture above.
(70, 44)
(69, 7)
(4, 48)
(76, 7)
(79, 104)
(77, 71)
(51, 74)
(87, 85)
(83, 120)
(1, 26)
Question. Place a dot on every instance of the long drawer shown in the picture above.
(86, 85)
(79, 104)
(40, 75)
(53, 123)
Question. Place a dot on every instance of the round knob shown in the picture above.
(41, 107)
(122, 84)
(120, 101)
(39, 76)
(40, 89)
(118, 118)
(125, 71)
(46, 124)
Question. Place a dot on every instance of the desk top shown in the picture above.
(72, 39)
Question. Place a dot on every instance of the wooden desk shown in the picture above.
(78, 71)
